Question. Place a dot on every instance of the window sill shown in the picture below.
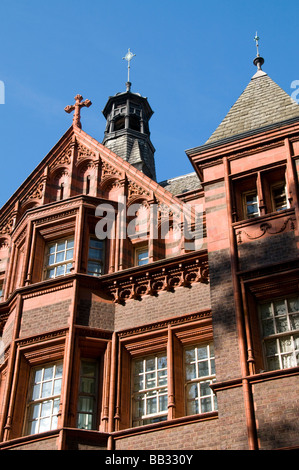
(261, 218)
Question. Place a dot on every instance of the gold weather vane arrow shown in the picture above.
(77, 108)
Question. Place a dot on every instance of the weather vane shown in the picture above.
(128, 57)
(256, 39)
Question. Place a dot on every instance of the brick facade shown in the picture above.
(55, 315)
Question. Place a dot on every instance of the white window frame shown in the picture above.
(99, 262)
(142, 395)
(140, 251)
(66, 263)
(200, 382)
(90, 423)
(36, 404)
(272, 189)
(284, 328)
(245, 205)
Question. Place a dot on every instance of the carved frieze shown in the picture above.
(63, 159)
(136, 190)
(164, 279)
(35, 193)
(109, 170)
(84, 152)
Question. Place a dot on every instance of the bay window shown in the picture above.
(199, 374)
(280, 331)
(44, 398)
(149, 389)
(59, 257)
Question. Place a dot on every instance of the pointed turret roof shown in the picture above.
(262, 104)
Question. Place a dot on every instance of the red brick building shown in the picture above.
(144, 315)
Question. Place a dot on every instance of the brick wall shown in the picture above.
(196, 436)
(165, 305)
(45, 318)
(277, 417)
(95, 314)
(224, 317)
(268, 250)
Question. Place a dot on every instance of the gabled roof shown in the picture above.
(262, 104)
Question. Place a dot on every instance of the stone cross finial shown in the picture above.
(256, 39)
(77, 108)
(128, 57)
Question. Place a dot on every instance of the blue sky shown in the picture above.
(193, 60)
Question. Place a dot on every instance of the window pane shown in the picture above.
(86, 404)
(266, 311)
(60, 257)
(87, 394)
(206, 405)
(84, 421)
(151, 406)
(40, 414)
(279, 307)
(46, 408)
(150, 395)
(60, 270)
(199, 363)
(45, 424)
(281, 350)
(268, 328)
(51, 259)
(48, 373)
(293, 304)
(57, 387)
(36, 392)
(69, 254)
(281, 324)
(203, 369)
(46, 389)
(70, 243)
(61, 246)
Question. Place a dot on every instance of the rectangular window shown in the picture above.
(87, 395)
(142, 256)
(59, 258)
(279, 197)
(44, 398)
(251, 205)
(280, 331)
(199, 374)
(95, 264)
(1, 291)
(150, 393)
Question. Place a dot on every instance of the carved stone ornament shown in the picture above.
(136, 190)
(63, 159)
(84, 152)
(265, 227)
(7, 226)
(35, 193)
(165, 279)
(109, 170)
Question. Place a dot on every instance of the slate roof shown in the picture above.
(181, 184)
(262, 104)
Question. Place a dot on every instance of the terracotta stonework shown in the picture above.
(85, 314)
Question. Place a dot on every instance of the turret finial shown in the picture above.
(258, 61)
(128, 57)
